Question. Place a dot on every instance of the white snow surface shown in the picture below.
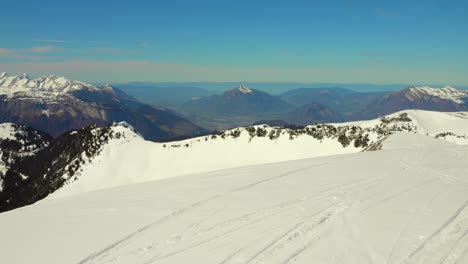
(7, 131)
(447, 92)
(131, 159)
(405, 204)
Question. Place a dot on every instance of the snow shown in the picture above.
(7, 131)
(121, 161)
(427, 122)
(404, 204)
(244, 89)
(447, 92)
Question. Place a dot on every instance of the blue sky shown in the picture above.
(414, 42)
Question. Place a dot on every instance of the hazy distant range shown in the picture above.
(172, 94)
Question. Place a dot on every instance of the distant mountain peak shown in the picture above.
(244, 89)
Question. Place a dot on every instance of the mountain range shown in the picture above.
(55, 105)
(426, 98)
(302, 106)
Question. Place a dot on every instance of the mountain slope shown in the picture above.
(312, 113)
(18, 141)
(404, 204)
(55, 105)
(344, 102)
(32, 177)
(236, 107)
(447, 99)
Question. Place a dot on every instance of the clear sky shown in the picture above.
(355, 41)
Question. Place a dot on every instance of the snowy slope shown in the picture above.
(432, 123)
(405, 204)
(130, 159)
(447, 92)
(44, 87)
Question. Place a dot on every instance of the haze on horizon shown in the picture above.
(423, 42)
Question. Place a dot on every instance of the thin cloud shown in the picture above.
(33, 53)
(49, 52)
(5, 52)
(122, 71)
(107, 50)
(10, 53)
(41, 49)
(51, 40)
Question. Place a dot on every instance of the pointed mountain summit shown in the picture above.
(244, 89)
(238, 106)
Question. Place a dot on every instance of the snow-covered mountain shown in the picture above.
(98, 158)
(46, 87)
(447, 93)
(55, 105)
(445, 99)
(404, 204)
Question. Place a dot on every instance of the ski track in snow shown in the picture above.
(181, 211)
(306, 225)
